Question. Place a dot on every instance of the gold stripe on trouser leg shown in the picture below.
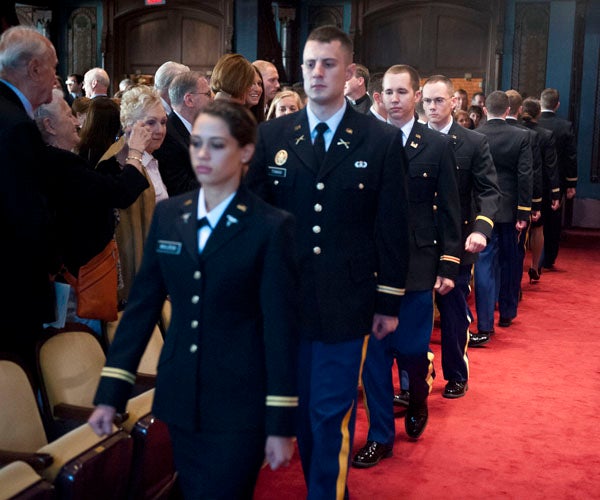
(429, 378)
(360, 372)
(340, 487)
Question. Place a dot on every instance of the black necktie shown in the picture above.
(319, 144)
(203, 222)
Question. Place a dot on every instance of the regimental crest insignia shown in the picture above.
(281, 157)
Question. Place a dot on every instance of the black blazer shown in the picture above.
(352, 218)
(566, 147)
(435, 239)
(550, 174)
(477, 184)
(512, 156)
(537, 186)
(28, 250)
(174, 158)
(83, 202)
(229, 359)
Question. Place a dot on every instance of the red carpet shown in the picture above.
(529, 426)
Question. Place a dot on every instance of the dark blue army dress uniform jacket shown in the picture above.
(435, 236)
(351, 218)
(229, 358)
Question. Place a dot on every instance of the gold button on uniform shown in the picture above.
(197, 275)
(316, 229)
(320, 186)
(317, 250)
(194, 323)
(195, 299)
(318, 207)
(276, 183)
(424, 174)
(193, 348)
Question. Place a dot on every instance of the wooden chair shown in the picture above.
(18, 481)
(153, 470)
(146, 372)
(79, 464)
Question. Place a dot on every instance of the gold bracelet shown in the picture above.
(133, 158)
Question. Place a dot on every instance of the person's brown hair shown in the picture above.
(233, 74)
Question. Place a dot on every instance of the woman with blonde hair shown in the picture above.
(142, 105)
(231, 78)
(284, 103)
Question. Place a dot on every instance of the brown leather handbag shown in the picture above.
(96, 285)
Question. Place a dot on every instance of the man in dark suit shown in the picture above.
(375, 89)
(435, 247)
(96, 83)
(511, 151)
(27, 75)
(348, 194)
(189, 93)
(566, 149)
(478, 188)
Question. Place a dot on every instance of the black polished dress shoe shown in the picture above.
(415, 421)
(371, 454)
(402, 399)
(504, 322)
(455, 389)
(478, 339)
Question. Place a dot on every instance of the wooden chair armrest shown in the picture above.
(38, 461)
(82, 413)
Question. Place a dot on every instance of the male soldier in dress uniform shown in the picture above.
(348, 193)
(478, 188)
(435, 248)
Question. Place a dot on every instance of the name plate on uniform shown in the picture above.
(170, 247)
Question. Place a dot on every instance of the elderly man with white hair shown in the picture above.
(162, 79)
(95, 83)
(27, 75)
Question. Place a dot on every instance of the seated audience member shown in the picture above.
(80, 108)
(83, 200)
(463, 119)
(189, 93)
(101, 129)
(141, 103)
(476, 115)
(231, 78)
(285, 103)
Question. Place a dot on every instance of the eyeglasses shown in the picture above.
(438, 100)
(207, 94)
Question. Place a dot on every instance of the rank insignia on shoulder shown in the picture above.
(241, 208)
(187, 202)
(297, 127)
(360, 164)
(349, 131)
(281, 157)
(413, 144)
(418, 136)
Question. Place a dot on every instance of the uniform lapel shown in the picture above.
(186, 223)
(231, 223)
(455, 136)
(415, 143)
(299, 142)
